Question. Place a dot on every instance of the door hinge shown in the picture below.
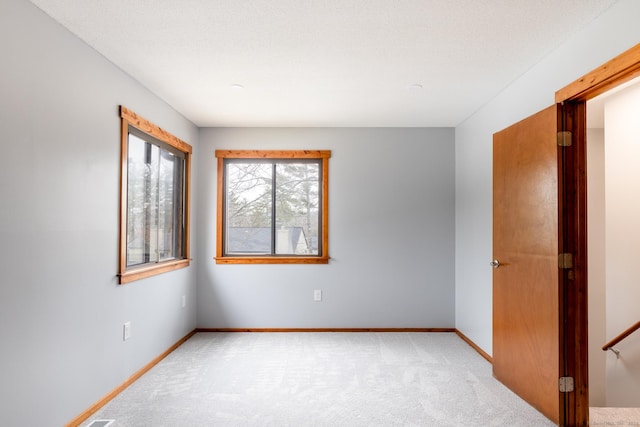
(565, 384)
(565, 260)
(564, 138)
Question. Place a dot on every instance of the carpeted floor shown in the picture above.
(320, 379)
(618, 417)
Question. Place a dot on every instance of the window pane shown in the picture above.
(155, 194)
(151, 203)
(142, 201)
(169, 209)
(136, 201)
(179, 208)
(248, 208)
(297, 207)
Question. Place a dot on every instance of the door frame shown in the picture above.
(574, 407)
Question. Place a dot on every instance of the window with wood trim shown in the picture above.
(154, 199)
(272, 207)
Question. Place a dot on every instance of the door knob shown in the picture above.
(495, 263)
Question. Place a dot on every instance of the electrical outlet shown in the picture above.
(184, 301)
(317, 295)
(126, 331)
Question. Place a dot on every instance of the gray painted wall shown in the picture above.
(612, 33)
(61, 309)
(391, 235)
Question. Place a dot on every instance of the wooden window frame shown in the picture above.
(323, 155)
(130, 274)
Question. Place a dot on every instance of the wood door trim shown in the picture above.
(574, 332)
(619, 70)
(574, 411)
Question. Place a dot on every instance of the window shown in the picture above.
(272, 207)
(154, 200)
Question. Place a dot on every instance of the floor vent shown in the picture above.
(101, 423)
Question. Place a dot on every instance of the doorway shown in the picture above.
(613, 180)
(574, 97)
(569, 137)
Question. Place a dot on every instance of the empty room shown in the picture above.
(291, 213)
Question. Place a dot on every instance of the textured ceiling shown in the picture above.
(325, 62)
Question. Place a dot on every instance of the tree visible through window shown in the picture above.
(155, 186)
(272, 206)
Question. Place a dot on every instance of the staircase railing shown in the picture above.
(620, 337)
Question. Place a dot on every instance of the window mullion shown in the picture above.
(273, 209)
(147, 207)
(320, 204)
(157, 208)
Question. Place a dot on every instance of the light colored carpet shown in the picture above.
(619, 417)
(320, 379)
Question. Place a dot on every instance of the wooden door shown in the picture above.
(526, 345)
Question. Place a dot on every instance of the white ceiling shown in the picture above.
(325, 62)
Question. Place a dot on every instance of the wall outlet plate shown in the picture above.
(317, 295)
(126, 331)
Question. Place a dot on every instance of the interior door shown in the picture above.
(526, 345)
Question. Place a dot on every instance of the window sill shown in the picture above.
(148, 271)
(271, 260)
